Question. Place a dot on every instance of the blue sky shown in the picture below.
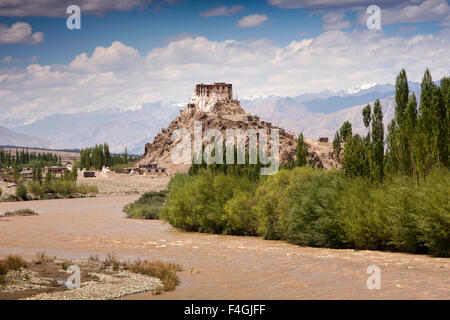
(153, 27)
(135, 51)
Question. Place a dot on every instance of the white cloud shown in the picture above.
(114, 58)
(34, 58)
(119, 76)
(9, 59)
(221, 11)
(414, 11)
(57, 8)
(329, 4)
(19, 32)
(406, 29)
(253, 20)
(335, 21)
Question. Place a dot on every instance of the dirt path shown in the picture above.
(218, 267)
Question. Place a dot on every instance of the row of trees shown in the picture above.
(99, 156)
(313, 207)
(417, 140)
(96, 157)
(418, 136)
(25, 158)
(251, 171)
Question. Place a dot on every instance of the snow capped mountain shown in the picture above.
(315, 114)
(359, 88)
(131, 128)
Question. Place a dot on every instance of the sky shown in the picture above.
(138, 51)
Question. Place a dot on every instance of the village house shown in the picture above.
(150, 168)
(55, 169)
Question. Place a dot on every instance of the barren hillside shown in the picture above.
(228, 115)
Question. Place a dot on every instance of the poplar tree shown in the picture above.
(301, 151)
(377, 143)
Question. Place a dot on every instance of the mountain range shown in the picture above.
(11, 138)
(314, 114)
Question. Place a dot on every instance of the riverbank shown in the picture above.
(108, 184)
(115, 184)
(45, 278)
(217, 266)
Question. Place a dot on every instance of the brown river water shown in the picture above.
(217, 266)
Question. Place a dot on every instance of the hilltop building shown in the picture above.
(207, 95)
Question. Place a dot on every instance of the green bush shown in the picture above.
(85, 189)
(65, 188)
(240, 216)
(272, 201)
(21, 192)
(35, 189)
(197, 203)
(312, 207)
(313, 218)
(364, 223)
(21, 212)
(148, 206)
(434, 208)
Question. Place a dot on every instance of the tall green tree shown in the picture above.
(301, 151)
(355, 161)
(337, 148)
(345, 131)
(377, 143)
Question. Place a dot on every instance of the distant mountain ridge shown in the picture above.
(315, 114)
(129, 129)
(11, 138)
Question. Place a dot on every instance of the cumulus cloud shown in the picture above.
(114, 58)
(412, 12)
(119, 76)
(335, 21)
(221, 11)
(57, 8)
(254, 20)
(19, 32)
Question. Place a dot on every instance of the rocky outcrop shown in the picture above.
(223, 116)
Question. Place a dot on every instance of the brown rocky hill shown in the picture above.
(228, 115)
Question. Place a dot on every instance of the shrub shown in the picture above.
(364, 223)
(434, 220)
(21, 192)
(166, 272)
(240, 216)
(35, 189)
(313, 218)
(1, 192)
(11, 262)
(112, 261)
(21, 212)
(84, 189)
(65, 188)
(272, 201)
(197, 203)
(42, 258)
(312, 207)
(148, 206)
(136, 211)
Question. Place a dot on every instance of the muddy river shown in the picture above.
(217, 266)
